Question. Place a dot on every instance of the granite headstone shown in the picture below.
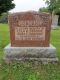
(30, 29)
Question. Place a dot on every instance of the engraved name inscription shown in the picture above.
(30, 33)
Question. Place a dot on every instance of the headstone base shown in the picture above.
(43, 54)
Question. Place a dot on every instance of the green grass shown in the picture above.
(4, 38)
(55, 40)
(28, 70)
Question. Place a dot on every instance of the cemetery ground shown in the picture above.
(28, 70)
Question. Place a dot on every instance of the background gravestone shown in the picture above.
(55, 21)
(30, 29)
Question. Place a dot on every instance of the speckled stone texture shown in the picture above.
(30, 53)
(30, 29)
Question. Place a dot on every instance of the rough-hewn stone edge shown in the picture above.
(29, 52)
(44, 60)
(40, 60)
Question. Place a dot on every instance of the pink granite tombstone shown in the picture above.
(30, 29)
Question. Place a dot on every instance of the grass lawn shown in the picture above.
(28, 70)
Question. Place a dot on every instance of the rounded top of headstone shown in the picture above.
(28, 15)
(30, 12)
